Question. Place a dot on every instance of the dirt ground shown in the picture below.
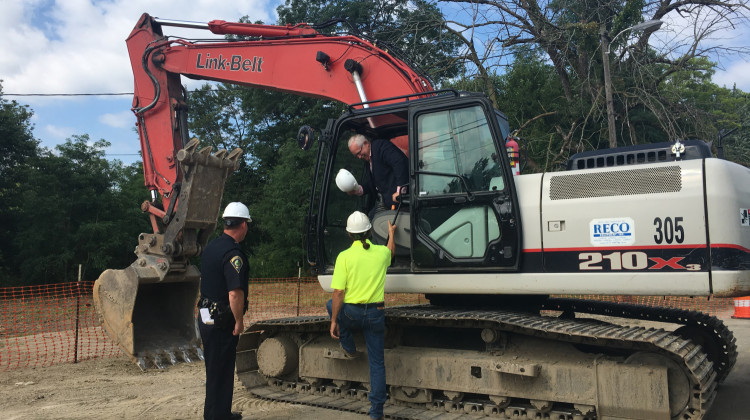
(114, 388)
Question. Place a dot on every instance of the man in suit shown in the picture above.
(388, 168)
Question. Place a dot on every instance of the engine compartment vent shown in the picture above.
(616, 183)
(638, 154)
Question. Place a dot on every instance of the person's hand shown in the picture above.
(334, 330)
(396, 194)
(391, 229)
(239, 327)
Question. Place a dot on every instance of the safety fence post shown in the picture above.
(78, 314)
(299, 280)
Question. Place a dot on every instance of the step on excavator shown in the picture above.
(486, 246)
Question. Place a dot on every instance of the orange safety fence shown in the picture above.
(49, 324)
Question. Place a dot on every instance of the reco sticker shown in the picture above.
(744, 217)
(619, 231)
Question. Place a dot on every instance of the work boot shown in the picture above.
(236, 415)
(350, 356)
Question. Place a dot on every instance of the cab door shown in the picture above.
(465, 213)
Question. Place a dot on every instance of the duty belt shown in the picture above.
(204, 302)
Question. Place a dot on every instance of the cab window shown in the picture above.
(456, 153)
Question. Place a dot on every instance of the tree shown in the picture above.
(413, 26)
(281, 213)
(77, 209)
(570, 34)
(17, 146)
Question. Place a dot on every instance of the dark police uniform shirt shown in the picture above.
(223, 268)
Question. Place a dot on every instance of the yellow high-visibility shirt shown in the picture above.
(360, 272)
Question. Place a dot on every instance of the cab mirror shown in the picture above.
(306, 137)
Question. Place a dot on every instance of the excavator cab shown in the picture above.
(460, 210)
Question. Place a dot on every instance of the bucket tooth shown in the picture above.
(235, 154)
(186, 355)
(221, 153)
(200, 354)
(158, 361)
(192, 144)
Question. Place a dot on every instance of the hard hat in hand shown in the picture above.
(345, 181)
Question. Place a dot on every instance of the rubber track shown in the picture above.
(713, 328)
(697, 367)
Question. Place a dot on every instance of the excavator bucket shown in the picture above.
(149, 308)
(152, 320)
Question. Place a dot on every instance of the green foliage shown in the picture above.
(17, 146)
(415, 27)
(280, 214)
(77, 209)
(216, 117)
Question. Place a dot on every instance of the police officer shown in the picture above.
(358, 301)
(224, 288)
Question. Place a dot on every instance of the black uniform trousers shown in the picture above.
(220, 352)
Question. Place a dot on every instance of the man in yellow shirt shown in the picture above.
(358, 300)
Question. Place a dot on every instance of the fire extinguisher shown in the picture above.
(511, 145)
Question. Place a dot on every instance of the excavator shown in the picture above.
(490, 249)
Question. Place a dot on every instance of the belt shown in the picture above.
(367, 305)
(206, 302)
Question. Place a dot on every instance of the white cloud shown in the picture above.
(58, 133)
(723, 42)
(118, 120)
(738, 73)
(79, 46)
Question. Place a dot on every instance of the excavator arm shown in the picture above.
(148, 308)
(294, 59)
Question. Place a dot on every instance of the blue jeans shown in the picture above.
(371, 322)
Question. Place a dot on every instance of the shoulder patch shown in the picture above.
(236, 262)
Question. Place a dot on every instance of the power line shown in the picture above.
(68, 94)
(99, 94)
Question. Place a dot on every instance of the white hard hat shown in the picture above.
(358, 223)
(237, 210)
(346, 181)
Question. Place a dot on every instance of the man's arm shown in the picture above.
(337, 301)
(391, 233)
(237, 304)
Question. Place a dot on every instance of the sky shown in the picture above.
(78, 47)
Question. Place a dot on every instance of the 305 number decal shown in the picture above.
(633, 260)
(669, 230)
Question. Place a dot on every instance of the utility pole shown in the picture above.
(608, 88)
